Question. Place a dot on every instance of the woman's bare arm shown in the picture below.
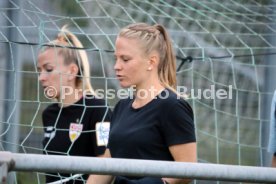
(101, 179)
(182, 153)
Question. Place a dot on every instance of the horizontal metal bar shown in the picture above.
(133, 167)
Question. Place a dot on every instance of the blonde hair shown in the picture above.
(69, 46)
(155, 38)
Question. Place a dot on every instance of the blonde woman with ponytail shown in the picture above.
(70, 122)
(156, 124)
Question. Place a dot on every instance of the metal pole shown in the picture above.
(13, 85)
(132, 167)
(6, 162)
(3, 63)
(270, 86)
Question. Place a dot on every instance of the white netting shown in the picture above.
(232, 43)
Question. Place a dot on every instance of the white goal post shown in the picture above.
(134, 167)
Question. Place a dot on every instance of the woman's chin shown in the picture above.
(124, 85)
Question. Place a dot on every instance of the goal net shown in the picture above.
(225, 64)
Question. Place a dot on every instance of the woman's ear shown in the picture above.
(153, 61)
(73, 71)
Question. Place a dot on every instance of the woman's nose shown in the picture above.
(41, 76)
(117, 66)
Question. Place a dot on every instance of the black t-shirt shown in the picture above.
(147, 132)
(71, 130)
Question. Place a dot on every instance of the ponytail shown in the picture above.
(64, 39)
(82, 58)
(167, 66)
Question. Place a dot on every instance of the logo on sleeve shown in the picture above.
(102, 133)
(50, 132)
(75, 131)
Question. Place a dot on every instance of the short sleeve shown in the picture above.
(178, 124)
(101, 115)
(106, 117)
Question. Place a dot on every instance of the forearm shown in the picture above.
(176, 181)
(190, 156)
(273, 163)
(100, 179)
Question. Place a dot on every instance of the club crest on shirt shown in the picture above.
(102, 133)
(75, 131)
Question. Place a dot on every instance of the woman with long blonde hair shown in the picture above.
(157, 124)
(70, 122)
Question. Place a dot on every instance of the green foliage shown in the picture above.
(30, 178)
